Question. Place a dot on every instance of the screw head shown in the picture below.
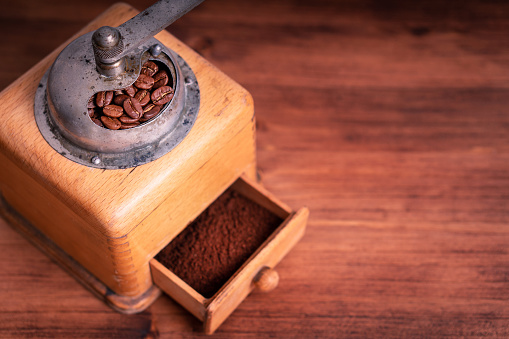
(155, 50)
(106, 37)
(96, 160)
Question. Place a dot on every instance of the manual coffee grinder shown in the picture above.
(103, 202)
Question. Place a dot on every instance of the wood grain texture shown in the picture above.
(387, 118)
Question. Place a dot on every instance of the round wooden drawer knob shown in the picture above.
(266, 280)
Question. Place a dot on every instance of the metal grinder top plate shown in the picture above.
(61, 99)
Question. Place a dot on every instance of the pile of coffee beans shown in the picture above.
(136, 104)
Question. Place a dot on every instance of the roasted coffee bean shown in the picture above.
(162, 95)
(151, 112)
(119, 99)
(160, 79)
(135, 104)
(98, 122)
(131, 91)
(133, 108)
(143, 96)
(91, 102)
(127, 126)
(148, 107)
(113, 111)
(149, 68)
(144, 82)
(104, 98)
(125, 119)
(111, 123)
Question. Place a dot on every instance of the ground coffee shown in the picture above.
(214, 246)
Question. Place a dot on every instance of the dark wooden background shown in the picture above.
(388, 119)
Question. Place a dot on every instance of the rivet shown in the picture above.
(155, 50)
(96, 160)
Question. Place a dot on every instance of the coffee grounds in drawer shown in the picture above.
(215, 245)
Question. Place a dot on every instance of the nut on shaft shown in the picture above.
(108, 46)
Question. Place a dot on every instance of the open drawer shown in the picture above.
(255, 272)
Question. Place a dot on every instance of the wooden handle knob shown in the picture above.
(266, 280)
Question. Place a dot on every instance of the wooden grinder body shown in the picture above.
(112, 222)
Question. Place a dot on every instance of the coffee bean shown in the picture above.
(149, 107)
(160, 79)
(91, 102)
(143, 96)
(149, 68)
(113, 111)
(95, 114)
(111, 123)
(119, 99)
(144, 82)
(151, 112)
(104, 98)
(162, 95)
(125, 119)
(98, 122)
(135, 104)
(130, 90)
(127, 126)
(133, 108)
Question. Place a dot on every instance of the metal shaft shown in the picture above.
(112, 44)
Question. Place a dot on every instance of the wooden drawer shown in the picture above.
(256, 272)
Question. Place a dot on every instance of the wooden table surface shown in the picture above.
(388, 119)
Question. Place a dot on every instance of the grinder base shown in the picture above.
(44, 244)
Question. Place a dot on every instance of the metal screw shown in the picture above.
(155, 50)
(96, 160)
